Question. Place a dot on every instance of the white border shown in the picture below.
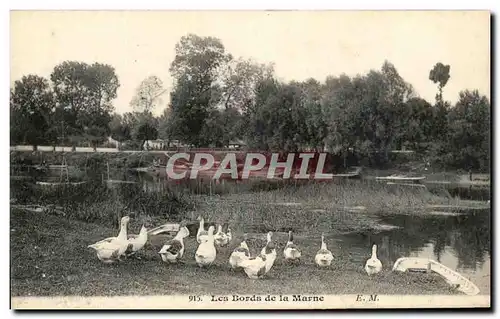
(182, 302)
(213, 5)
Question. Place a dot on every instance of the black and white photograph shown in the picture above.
(250, 159)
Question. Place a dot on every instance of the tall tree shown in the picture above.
(440, 74)
(148, 94)
(196, 92)
(84, 94)
(32, 105)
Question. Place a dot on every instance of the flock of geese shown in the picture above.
(113, 249)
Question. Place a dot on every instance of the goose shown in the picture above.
(255, 267)
(323, 257)
(291, 251)
(220, 237)
(269, 251)
(373, 265)
(239, 254)
(223, 239)
(136, 242)
(202, 234)
(206, 253)
(173, 250)
(111, 249)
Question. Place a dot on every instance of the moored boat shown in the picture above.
(423, 264)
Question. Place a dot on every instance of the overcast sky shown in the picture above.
(302, 44)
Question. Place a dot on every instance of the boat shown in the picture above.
(400, 178)
(355, 172)
(116, 181)
(59, 184)
(414, 264)
(44, 167)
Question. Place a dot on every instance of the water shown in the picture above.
(460, 242)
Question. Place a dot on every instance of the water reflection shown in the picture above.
(460, 242)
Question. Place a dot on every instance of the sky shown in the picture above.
(301, 44)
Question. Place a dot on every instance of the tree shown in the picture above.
(146, 131)
(200, 58)
(31, 104)
(239, 78)
(314, 119)
(469, 132)
(164, 125)
(143, 126)
(440, 74)
(341, 108)
(84, 94)
(148, 94)
(368, 113)
(258, 130)
(276, 121)
(119, 129)
(195, 69)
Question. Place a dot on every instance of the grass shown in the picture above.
(96, 202)
(49, 258)
(344, 194)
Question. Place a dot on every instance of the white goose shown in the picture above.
(206, 253)
(323, 257)
(173, 250)
(239, 254)
(255, 267)
(136, 242)
(291, 251)
(202, 234)
(269, 251)
(373, 265)
(110, 249)
(220, 237)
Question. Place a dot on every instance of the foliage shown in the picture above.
(31, 105)
(469, 135)
(119, 130)
(195, 68)
(84, 93)
(216, 99)
(148, 94)
(440, 74)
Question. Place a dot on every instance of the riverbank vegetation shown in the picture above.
(217, 99)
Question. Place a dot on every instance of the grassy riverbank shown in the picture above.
(49, 257)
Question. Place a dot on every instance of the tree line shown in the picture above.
(217, 98)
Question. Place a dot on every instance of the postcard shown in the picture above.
(250, 159)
